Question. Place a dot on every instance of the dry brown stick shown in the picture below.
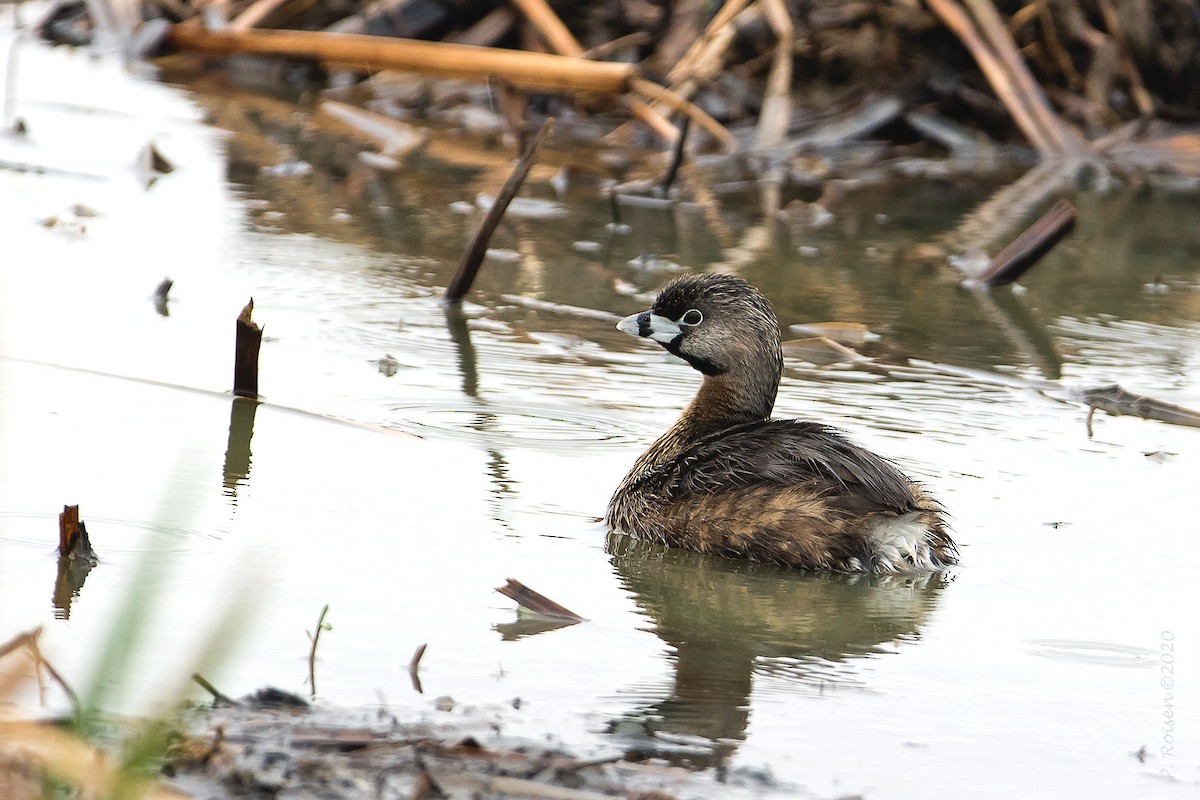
(776, 110)
(536, 602)
(1137, 87)
(635, 39)
(488, 30)
(245, 356)
(1034, 242)
(552, 29)
(258, 11)
(538, 71)
(687, 64)
(563, 42)
(468, 267)
(956, 19)
(671, 100)
(1061, 135)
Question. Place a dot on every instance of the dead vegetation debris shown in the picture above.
(255, 750)
(1068, 78)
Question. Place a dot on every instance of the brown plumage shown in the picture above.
(728, 480)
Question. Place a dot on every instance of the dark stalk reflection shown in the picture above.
(237, 450)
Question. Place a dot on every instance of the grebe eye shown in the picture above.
(691, 317)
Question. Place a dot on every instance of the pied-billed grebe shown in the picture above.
(728, 480)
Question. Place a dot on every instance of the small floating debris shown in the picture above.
(504, 255)
(819, 351)
(387, 365)
(526, 207)
(648, 262)
(287, 169)
(462, 207)
(806, 215)
(1156, 286)
(586, 246)
(971, 263)
(854, 334)
(161, 293)
(150, 160)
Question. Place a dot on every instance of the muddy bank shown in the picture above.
(275, 745)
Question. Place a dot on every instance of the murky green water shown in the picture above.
(1043, 667)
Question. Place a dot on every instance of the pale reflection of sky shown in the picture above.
(527, 421)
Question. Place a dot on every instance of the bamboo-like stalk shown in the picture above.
(537, 71)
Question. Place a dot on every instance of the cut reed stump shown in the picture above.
(73, 541)
(472, 258)
(76, 558)
(245, 361)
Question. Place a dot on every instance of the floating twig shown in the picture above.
(246, 349)
(472, 258)
(1117, 401)
(536, 603)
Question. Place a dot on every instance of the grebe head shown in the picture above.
(724, 328)
(717, 323)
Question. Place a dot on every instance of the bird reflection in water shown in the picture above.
(727, 621)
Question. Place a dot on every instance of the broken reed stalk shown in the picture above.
(415, 663)
(1034, 242)
(535, 602)
(536, 71)
(472, 258)
(216, 693)
(246, 349)
(677, 154)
